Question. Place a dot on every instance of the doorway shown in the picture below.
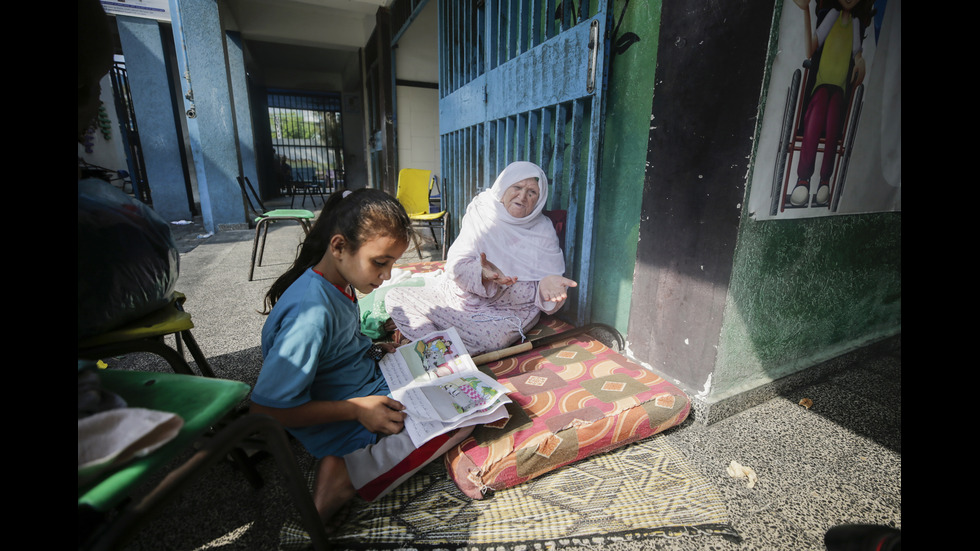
(308, 140)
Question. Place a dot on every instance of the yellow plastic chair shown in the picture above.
(147, 335)
(265, 217)
(414, 188)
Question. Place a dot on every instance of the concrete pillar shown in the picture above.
(198, 41)
(243, 114)
(159, 138)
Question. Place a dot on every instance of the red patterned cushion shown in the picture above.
(572, 400)
(423, 266)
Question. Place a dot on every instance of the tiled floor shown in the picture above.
(838, 462)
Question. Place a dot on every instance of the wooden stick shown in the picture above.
(537, 343)
(503, 353)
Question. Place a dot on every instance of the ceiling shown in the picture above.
(340, 24)
(291, 37)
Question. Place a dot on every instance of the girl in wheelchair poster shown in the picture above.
(830, 141)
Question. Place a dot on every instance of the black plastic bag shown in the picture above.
(128, 261)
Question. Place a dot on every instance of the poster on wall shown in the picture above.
(831, 139)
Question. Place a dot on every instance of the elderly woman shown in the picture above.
(504, 269)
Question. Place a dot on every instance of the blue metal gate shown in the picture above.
(525, 80)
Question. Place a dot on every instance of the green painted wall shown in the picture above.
(804, 291)
(627, 127)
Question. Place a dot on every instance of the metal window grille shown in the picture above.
(307, 136)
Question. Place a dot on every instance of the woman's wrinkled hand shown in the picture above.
(491, 273)
(554, 288)
(380, 414)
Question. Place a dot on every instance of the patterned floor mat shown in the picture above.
(642, 491)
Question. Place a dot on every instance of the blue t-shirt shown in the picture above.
(313, 349)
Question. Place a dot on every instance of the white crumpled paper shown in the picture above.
(737, 470)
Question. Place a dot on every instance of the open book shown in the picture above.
(440, 386)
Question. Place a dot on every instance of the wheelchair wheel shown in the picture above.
(785, 137)
(852, 124)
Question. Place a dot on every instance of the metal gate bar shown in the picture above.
(126, 114)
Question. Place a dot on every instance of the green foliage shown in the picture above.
(319, 127)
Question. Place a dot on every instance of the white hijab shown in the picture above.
(525, 248)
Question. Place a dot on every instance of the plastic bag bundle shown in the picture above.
(128, 261)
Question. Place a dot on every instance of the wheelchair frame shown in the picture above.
(791, 137)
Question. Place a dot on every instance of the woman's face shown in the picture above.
(520, 198)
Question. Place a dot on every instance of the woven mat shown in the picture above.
(638, 492)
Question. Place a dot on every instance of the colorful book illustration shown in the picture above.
(441, 388)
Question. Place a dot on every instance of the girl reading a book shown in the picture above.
(318, 377)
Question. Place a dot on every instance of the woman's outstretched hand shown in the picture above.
(493, 273)
(554, 288)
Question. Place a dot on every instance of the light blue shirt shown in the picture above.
(313, 349)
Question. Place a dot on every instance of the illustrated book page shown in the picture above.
(441, 388)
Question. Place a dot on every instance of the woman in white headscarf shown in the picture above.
(504, 269)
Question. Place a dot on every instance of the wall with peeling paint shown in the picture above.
(709, 71)
(720, 302)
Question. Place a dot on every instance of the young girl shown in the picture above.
(318, 378)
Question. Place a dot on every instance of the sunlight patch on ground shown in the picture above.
(226, 539)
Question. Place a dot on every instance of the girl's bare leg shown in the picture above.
(332, 487)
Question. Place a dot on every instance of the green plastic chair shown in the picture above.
(147, 335)
(414, 190)
(262, 219)
(112, 506)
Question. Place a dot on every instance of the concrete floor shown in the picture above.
(838, 462)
